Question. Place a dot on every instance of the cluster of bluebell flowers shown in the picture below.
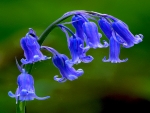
(85, 37)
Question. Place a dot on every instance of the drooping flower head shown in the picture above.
(76, 47)
(61, 62)
(105, 27)
(31, 48)
(93, 36)
(120, 28)
(114, 52)
(25, 90)
(77, 22)
(114, 42)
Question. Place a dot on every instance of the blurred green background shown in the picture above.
(102, 85)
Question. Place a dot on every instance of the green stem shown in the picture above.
(28, 68)
(51, 27)
(20, 108)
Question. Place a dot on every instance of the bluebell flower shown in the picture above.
(76, 47)
(114, 41)
(31, 48)
(114, 52)
(25, 90)
(92, 36)
(66, 70)
(77, 22)
(105, 27)
(123, 31)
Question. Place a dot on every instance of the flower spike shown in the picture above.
(31, 48)
(66, 70)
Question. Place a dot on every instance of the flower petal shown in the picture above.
(87, 59)
(11, 94)
(61, 80)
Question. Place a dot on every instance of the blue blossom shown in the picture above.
(66, 70)
(25, 90)
(123, 31)
(31, 48)
(114, 41)
(76, 47)
(92, 36)
(77, 22)
(114, 52)
(105, 27)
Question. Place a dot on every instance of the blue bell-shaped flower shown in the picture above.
(76, 47)
(92, 36)
(66, 70)
(25, 90)
(123, 31)
(31, 48)
(114, 51)
(77, 22)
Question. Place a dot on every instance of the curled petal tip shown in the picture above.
(105, 44)
(138, 38)
(79, 72)
(72, 77)
(42, 98)
(11, 94)
(48, 57)
(61, 80)
(24, 61)
(114, 60)
(87, 59)
(104, 60)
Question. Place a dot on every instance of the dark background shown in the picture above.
(104, 87)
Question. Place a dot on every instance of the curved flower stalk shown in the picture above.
(75, 12)
(31, 48)
(25, 90)
(61, 62)
(76, 47)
